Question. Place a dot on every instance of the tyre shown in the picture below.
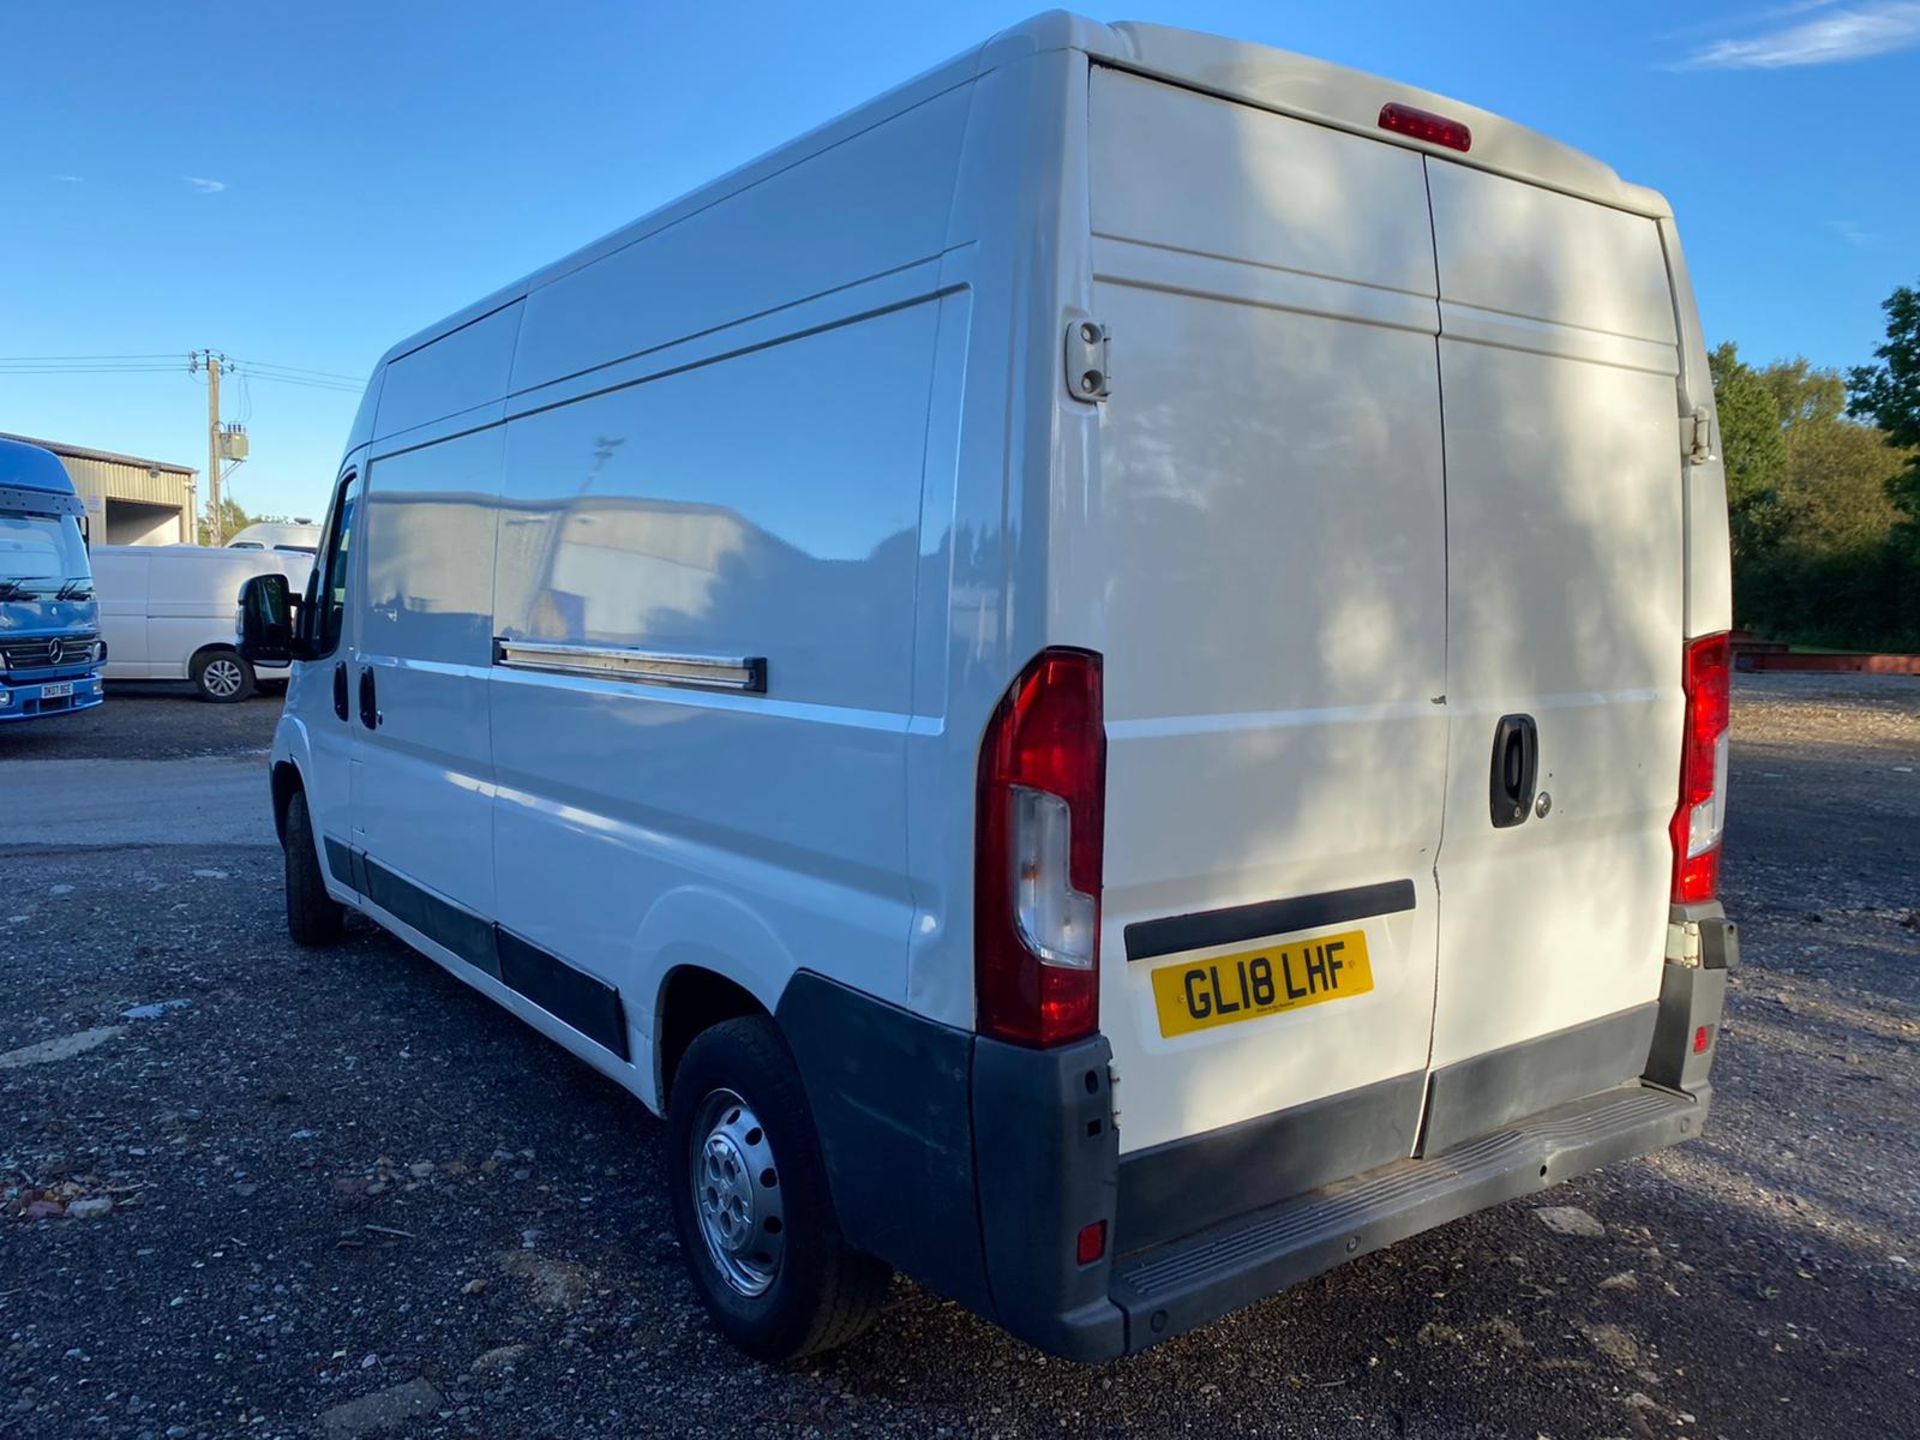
(313, 916)
(222, 676)
(750, 1200)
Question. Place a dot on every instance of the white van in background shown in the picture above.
(167, 612)
(1105, 680)
(301, 536)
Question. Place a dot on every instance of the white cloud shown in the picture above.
(1853, 234)
(204, 185)
(1832, 35)
(71, 179)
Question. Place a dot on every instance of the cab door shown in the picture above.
(1273, 582)
(317, 691)
(422, 662)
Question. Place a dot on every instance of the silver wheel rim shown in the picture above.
(222, 677)
(736, 1194)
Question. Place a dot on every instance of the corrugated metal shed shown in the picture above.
(133, 500)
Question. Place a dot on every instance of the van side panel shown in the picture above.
(1709, 548)
(763, 506)
(874, 202)
(458, 372)
(120, 578)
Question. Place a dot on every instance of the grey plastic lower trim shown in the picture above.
(1193, 1281)
(1187, 1184)
(1478, 1095)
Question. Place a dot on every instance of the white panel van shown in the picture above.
(301, 536)
(167, 612)
(1105, 681)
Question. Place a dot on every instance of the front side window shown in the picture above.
(40, 555)
(331, 590)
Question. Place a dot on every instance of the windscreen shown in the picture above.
(40, 553)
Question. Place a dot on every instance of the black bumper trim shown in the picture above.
(1185, 1185)
(1480, 1094)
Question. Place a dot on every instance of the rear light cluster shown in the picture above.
(1427, 126)
(1037, 854)
(1701, 819)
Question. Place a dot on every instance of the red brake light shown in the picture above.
(1701, 818)
(1427, 126)
(1092, 1242)
(1037, 854)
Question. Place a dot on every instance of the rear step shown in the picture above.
(1191, 1281)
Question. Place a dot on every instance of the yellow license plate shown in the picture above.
(1284, 975)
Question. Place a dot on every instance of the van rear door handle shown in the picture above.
(1516, 766)
(340, 688)
(369, 700)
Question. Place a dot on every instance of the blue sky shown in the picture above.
(301, 187)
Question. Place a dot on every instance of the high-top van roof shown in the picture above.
(1258, 75)
(28, 467)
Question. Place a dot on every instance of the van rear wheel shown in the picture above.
(313, 916)
(751, 1205)
(222, 676)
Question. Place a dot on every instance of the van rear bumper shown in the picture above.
(1202, 1277)
(974, 1166)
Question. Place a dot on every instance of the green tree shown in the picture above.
(232, 521)
(1754, 450)
(1889, 393)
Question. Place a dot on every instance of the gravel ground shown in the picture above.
(350, 1197)
(150, 720)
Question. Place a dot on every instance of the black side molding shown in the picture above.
(1176, 934)
(572, 996)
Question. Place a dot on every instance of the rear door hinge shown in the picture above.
(1087, 375)
(1683, 943)
(1699, 436)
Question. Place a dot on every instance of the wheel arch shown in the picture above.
(287, 782)
(694, 996)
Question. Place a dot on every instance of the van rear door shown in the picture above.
(1272, 533)
(1565, 574)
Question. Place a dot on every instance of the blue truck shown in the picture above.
(50, 646)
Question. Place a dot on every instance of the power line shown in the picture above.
(168, 355)
(151, 364)
(118, 368)
(354, 388)
(298, 370)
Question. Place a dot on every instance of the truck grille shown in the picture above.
(59, 652)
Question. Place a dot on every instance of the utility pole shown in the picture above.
(212, 361)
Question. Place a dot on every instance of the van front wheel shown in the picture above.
(751, 1205)
(313, 916)
(222, 676)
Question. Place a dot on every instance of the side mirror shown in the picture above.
(266, 621)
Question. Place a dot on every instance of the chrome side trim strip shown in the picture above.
(746, 674)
